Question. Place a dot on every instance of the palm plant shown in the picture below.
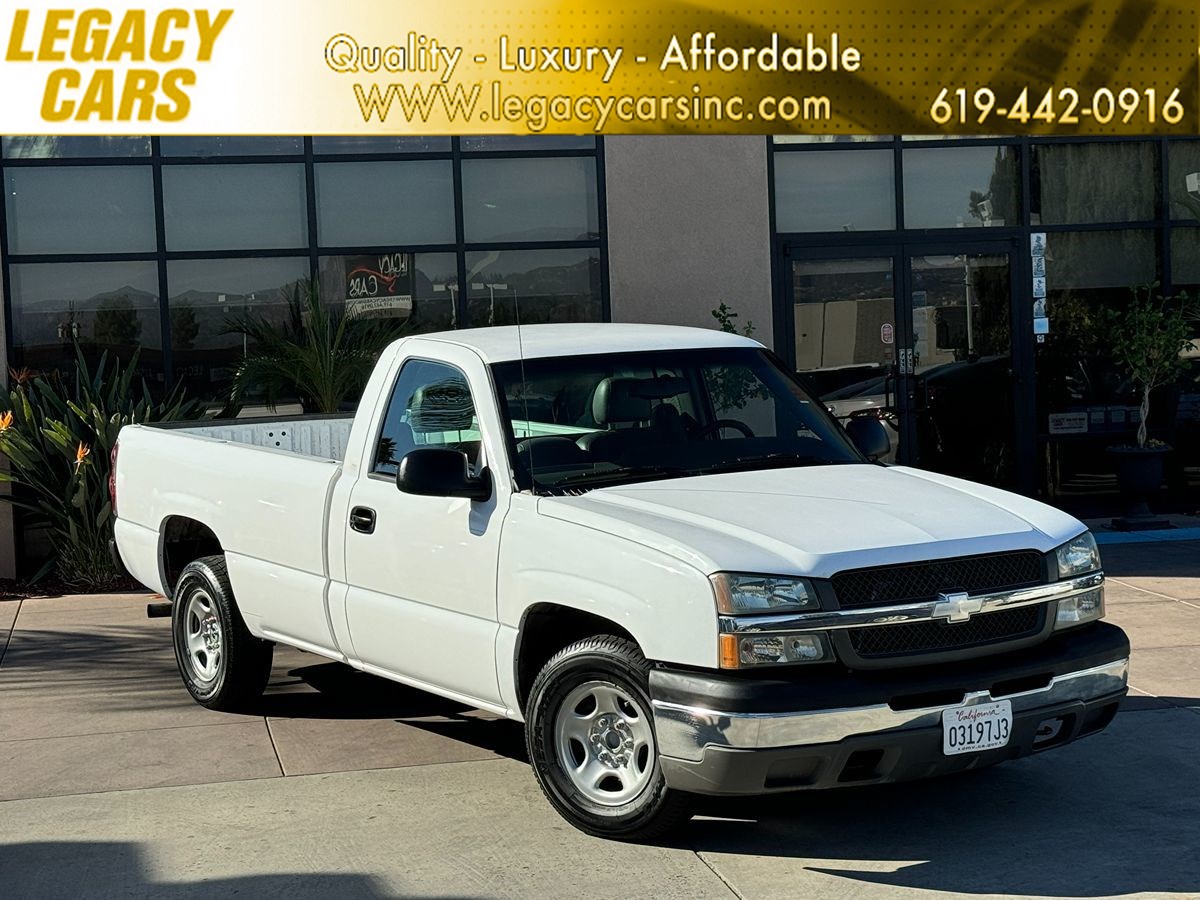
(320, 354)
(57, 433)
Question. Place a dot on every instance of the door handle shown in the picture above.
(362, 519)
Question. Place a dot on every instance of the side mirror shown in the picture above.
(441, 472)
(869, 436)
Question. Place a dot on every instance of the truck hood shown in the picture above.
(816, 520)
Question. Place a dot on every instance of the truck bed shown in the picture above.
(321, 437)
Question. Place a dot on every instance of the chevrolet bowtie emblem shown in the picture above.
(956, 607)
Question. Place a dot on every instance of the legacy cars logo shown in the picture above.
(134, 66)
(956, 607)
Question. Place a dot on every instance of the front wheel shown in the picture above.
(592, 745)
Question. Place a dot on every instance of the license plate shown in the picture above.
(969, 729)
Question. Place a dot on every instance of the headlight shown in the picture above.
(744, 651)
(1078, 556)
(740, 594)
(1086, 607)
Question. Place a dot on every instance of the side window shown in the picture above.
(431, 406)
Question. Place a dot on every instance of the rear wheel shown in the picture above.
(591, 741)
(223, 666)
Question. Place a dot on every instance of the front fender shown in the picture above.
(665, 604)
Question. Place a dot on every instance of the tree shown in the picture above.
(117, 322)
(1148, 338)
(184, 327)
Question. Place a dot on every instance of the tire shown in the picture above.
(223, 666)
(590, 736)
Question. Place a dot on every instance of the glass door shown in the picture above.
(960, 409)
(845, 336)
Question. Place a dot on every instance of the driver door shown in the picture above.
(421, 604)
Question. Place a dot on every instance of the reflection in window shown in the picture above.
(530, 199)
(69, 209)
(1183, 181)
(389, 144)
(235, 207)
(536, 285)
(431, 406)
(235, 145)
(843, 306)
(1076, 184)
(960, 186)
(106, 306)
(371, 204)
(419, 288)
(65, 147)
(204, 294)
(835, 191)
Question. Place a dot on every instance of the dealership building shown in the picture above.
(956, 288)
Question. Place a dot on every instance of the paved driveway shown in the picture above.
(113, 783)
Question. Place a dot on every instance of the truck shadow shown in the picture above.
(1114, 814)
(336, 691)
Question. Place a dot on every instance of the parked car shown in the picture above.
(647, 544)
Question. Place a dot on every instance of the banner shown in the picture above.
(366, 67)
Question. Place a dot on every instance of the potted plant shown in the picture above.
(1148, 336)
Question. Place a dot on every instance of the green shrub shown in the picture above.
(57, 433)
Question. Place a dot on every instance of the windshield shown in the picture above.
(576, 423)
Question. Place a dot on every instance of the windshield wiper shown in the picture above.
(770, 461)
(615, 476)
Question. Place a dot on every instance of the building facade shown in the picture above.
(904, 278)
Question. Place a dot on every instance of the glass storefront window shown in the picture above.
(1185, 261)
(104, 306)
(204, 294)
(64, 147)
(391, 144)
(79, 209)
(852, 190)
(540, 142)
(1183, 179)
(536, 285)
(236, 145)
(235, 207)
(960, 187)
(1076, 184)
(420, 288)
(372, 204)
(530, 199)
(1086, 273)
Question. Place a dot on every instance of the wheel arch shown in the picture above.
(183, 539)
(545, 629)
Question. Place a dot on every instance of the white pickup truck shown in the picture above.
(648, 544)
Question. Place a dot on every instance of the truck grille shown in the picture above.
(920, 582)
(943, 637)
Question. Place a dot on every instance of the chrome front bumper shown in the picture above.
(684, 731)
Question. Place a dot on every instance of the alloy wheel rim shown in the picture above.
(203, 637)
(605, 743)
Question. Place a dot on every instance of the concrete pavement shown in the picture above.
(113, 783)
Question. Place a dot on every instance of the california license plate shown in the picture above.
(969, 729)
